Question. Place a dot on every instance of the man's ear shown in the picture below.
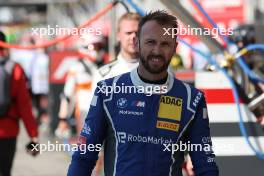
(176, 44)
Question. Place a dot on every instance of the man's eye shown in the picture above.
(165, 44)
(150, 42)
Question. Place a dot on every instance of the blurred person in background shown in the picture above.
(40, 86)
(15, 104)
(127, 58)
(35, 64)
(39, 79)
(78, 85)
(93, 46)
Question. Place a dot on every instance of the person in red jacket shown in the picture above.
(20, 108)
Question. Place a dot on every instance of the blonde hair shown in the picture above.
(128, 16)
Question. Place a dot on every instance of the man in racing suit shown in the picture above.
(145, 126)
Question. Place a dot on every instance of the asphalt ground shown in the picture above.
(49, 163)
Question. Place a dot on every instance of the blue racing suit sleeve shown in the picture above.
(91, 138)
(203, 158)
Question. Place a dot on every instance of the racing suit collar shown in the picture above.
(122, 59)
(139, 83)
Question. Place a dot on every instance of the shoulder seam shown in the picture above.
(107, 66)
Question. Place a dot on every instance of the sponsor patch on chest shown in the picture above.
(170, 108)
(167, 125)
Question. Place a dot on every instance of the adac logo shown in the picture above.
(171, 100)
(170, 108)
(121, 103)
(140, 104)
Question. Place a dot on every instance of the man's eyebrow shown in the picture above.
(147, 39)
(130, 30)
(127, 32)
(165, 42)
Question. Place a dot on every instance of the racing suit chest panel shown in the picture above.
(143, 124)
(172, 116)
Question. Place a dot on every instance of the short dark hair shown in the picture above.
(161, 17)
(2, 37)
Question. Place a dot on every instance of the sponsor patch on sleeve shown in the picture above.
(81, 140)
(86, 129)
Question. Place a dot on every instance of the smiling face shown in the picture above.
(155, 49)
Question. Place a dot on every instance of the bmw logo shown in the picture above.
(121, 103)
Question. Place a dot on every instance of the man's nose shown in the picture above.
(133, 35)
(156, 49)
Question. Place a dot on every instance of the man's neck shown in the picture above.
(127, 56)
(161, 81)
(143, 73)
